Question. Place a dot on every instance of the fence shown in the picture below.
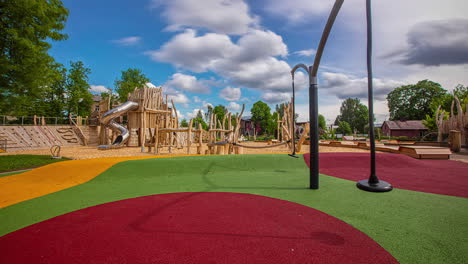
(39, 120)
(3, 144)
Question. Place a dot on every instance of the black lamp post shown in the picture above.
(313, 96)
(373, 184)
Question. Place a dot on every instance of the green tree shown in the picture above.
(273, 124)
(355, 114)
(220, 111)
(445, 103)
(413, 102)
(184, 123)
(199, 120)
(79, 99)
(129, 81)
(321, 122)
(27, 29)
(344, 128)
(261, 114)
(56, 94)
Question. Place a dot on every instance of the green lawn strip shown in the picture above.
(20, 162)
(11, 173)
(414, 227)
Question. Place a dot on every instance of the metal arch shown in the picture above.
(300, 65)
(325, 34)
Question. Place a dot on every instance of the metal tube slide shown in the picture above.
(108, 120)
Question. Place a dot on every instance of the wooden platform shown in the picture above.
(412, 150)
(425, 152)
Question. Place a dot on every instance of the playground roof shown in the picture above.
(405, 125)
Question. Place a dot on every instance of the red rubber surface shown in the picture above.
(446, 177)
(193, 228)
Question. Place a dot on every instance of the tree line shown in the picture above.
(408, 102)
(31, 81)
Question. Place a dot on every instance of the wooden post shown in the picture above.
(156, 140)
(455, 140)
(200, 139)
(189, 136)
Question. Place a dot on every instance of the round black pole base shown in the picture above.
(381, 186)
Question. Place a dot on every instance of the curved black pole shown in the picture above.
(294, 107)
(313, 98)
(293, 154)
(373, 184)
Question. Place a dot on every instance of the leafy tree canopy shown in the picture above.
(79, 98)
(261, 114)
(184, 123)
(413, 102)
(129, 80)
(321, 122)
(353, 112)
(344, 128)
(220, 111)
(26, 28)
(445, 103)
(199, 120)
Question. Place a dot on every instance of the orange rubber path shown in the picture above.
(56, 177)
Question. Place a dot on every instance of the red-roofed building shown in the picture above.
(409, 128)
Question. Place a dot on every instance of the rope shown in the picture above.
(259, 147)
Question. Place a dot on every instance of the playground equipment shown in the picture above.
(108, 120)
(455, 122)
(55, 151)
(227, 133)
(156, 124)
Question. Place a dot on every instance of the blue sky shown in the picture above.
(232, 52)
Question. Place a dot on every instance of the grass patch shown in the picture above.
(22, 162)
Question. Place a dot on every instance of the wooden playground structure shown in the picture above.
(154, 124)
(456, 125)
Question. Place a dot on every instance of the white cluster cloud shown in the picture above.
(251, 62)
(221, 16)
(188, 83)
(177, 97)
(230, 93)
(232, 107)
(296, 11)
(194, 113)
(128, 41)
(275, 98)
(99, 89)
(345, 86)
(197, 54)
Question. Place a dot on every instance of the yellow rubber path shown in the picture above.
(56, 177)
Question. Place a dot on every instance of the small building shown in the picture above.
(247, 127)
(409, 128)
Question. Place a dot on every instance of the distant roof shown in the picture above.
(405, 125)
(246, 118)
(96, 98)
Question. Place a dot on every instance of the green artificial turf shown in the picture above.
(414, 227)
(20, 162)
(11, 173)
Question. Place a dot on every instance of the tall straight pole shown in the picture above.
(314, 135)
(373, 184)
(373, 177)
